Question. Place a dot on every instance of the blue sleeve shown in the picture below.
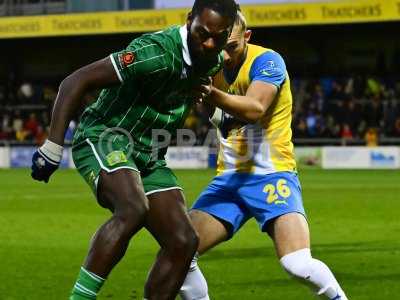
(269, 67)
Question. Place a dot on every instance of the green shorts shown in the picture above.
(89, 160)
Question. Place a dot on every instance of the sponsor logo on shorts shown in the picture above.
(116, 157)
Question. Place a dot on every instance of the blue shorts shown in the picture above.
(237, 197)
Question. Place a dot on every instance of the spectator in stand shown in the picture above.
(337, 93)
(5, 128)
(318, 99)
(396, 128)
(332, 129)
(352, 115)
(374, 112)
(359, 86)
(349, 86)
(371, 137)
(374, 87)
(346, 134)
(49, 94)
(17, 124)
(300, 129)
(25, 93)
(391, 112)
(311, 122)
(320, 125)
(44, 118)
(3, 135)
(41, 136)
(339, 111)
(31, 126)
(336, 101)
(327, 85)
(362, 129)
(21, 135)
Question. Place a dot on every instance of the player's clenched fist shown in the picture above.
(203, 89)
(46, 160)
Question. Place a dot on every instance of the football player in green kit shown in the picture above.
(151, 85)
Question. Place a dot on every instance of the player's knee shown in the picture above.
(184, 243)
(132, 209)
(131, 215)
(298, 263)
(132, 202)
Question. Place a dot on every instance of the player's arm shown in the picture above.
(71, 93)
(69, 99)
(249, 108)
(118, 68)
(267, 74)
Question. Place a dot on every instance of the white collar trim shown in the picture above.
(185, 50)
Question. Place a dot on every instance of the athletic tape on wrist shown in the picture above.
(52, 151)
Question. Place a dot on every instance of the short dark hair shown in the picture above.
(226, 8)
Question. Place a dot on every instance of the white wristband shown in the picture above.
(52, 151)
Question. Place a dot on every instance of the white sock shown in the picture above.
(195, 285)
(301, 264)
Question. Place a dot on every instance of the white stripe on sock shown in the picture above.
(93, 276)
(85, 290)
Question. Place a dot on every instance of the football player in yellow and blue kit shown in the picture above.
(256, 174)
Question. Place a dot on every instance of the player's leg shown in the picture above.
(280, 212)
(118, 187)
(121, 191)
(290, 234)
(215, 216)
(170, 225)
(211, 232)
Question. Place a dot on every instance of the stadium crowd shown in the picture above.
(363, 108)
(350, 108)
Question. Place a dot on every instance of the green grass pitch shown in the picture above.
(355, 228)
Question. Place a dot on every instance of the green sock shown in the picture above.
(87, 286)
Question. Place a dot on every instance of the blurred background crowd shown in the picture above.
(357, 109)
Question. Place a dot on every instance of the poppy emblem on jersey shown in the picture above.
(127, 59)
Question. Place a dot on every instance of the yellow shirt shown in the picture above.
(264, 147)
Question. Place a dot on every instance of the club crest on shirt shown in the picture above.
(270, 64)
(271, 69)
(126, 59)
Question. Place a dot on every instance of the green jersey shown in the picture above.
(155, 93)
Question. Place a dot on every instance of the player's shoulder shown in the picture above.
(170, 35)
(263, 57)
(160, 42)
(262, 54)
(267, 65)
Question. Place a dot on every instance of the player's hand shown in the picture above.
(45, 161)
(203, 89)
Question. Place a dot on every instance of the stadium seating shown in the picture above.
(327, 110)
